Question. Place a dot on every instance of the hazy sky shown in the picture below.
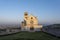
(47, 11)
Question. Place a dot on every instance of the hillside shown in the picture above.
(29, 36)
(53, 29)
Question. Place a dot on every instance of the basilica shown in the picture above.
(30, 22)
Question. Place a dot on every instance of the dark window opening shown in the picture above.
(32, 28)
(26, 17)
(31, 17)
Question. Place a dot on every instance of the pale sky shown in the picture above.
(47, 11)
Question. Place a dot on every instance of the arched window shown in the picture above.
(31, 17)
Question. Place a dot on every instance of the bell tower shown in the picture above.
(25, 16)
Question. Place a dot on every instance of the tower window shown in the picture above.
(26, 17)
(31, 17)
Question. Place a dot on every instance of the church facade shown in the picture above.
(30, 23)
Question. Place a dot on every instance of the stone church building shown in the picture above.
(30, 23)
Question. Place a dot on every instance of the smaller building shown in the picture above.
(30, 23)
